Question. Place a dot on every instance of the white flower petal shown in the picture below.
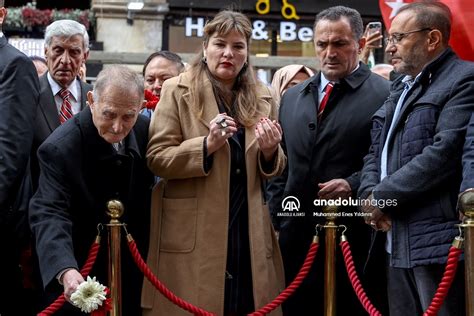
(89, 295)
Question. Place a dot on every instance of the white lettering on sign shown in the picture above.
(288, 30)
(305, 34)
(198, 26)
(258, 32)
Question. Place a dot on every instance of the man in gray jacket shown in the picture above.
(414, 166)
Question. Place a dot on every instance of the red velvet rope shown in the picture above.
(59, 302)
(358, 289)
(308, 262)
(446, 281)
(198, 311)
(160, 286)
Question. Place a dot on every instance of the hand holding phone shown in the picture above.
(374, 34)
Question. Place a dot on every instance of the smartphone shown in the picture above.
(373, 27)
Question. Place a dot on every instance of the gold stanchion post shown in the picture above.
(466, 202)
(330, 262)
(115, 211)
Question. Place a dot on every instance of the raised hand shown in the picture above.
(268, 134)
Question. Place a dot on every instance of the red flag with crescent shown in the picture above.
(462, 34)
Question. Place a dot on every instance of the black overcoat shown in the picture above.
(79, 173)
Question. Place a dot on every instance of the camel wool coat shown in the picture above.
(189, 222)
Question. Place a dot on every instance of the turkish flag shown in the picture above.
(462, 30)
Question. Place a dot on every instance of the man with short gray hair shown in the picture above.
(62, 93)
(97, 156)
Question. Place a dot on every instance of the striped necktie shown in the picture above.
(65, 113)
(325, 99)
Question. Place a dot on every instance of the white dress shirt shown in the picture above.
(75, 90)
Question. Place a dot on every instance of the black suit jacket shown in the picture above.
(80, 172)
(317, 153)
(19, 93)
(333, 148)
(47, 120)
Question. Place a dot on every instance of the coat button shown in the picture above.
(118, 163)
(312, 126)
(237, 171)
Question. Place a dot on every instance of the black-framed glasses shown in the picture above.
(395, 38)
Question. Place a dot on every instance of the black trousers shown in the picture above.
(411, 291)
(308, 300)
(15, 299)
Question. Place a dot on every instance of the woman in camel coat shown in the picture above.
(213, 141)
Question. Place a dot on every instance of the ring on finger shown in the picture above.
(222, 123)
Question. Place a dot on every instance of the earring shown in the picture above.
(204, 59)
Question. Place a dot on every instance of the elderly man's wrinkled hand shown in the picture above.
(71, 280)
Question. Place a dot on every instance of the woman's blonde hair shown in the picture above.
(244, 92)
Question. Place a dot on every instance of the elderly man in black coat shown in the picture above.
(19, 92)
(94, 157)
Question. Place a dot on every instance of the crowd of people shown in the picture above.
(205, 169)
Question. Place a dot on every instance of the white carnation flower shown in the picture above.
(89, 295)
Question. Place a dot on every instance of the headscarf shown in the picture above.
(284, 75)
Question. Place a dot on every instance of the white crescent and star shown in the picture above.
(395, 5)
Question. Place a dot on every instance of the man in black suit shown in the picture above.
(19, 92)
(66, 49)
(96, 156)
(326, 135)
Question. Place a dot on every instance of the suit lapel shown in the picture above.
(264, 106)
(3, 41)
(210, 110)
(48, 105)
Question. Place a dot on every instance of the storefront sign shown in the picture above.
(288, 31)
(288, 10)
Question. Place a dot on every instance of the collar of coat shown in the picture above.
(424, 78)
(3, 41)
(96, 144)
(354, 80)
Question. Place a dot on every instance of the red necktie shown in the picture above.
(65, 113)
(325, 99)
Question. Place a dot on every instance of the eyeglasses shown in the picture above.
(395, 38)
